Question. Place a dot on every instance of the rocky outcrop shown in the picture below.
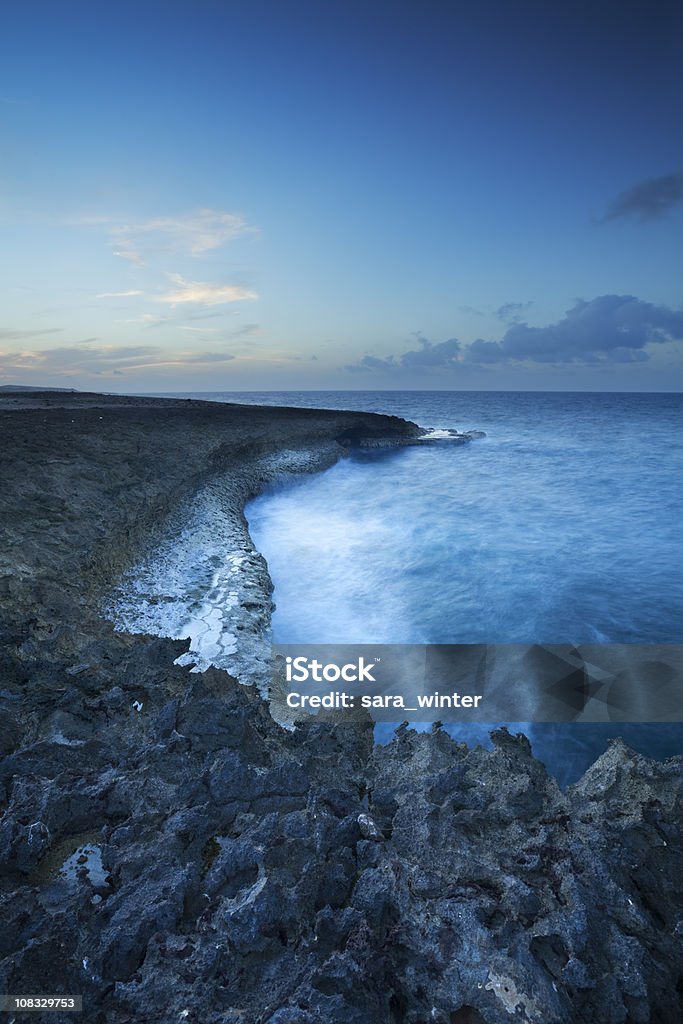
(89, 481)
(172, 854)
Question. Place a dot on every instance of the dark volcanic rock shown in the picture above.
(172, 854)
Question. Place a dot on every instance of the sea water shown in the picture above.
(562, 525)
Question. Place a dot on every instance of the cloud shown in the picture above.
(153, 321)
(197, 330)
(86, 359)
(210, 316)
(130, 254)
(119, 295)
(607, 329)
(148, 319)
(508, 312)
(10, 334)
(204, 294)
(195, 233)
(511, 312)
(647, 200)
(208, 357)
(444, 354)
(373, 363)
(245, 331)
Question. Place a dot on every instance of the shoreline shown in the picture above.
(226, 870)
(217, 507)
(120, 466)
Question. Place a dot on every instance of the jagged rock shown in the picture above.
(367, 827)
(234, 872)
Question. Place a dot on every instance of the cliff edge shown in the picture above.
(170, 853)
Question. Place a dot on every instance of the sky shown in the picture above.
(361, 195)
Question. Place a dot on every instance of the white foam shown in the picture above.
(189, 586)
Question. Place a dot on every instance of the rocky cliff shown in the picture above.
(172, 854)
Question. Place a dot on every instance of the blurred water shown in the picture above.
(561, 526)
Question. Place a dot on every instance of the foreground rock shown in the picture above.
(171, 853)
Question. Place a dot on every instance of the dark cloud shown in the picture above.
(445, 353)
(607, 329)
(511, 312)
(647, 200)
(483, 352)
(372, 363)
(508, 312)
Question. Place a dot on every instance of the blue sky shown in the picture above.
(219, 196)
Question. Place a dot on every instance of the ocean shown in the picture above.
(562, 525)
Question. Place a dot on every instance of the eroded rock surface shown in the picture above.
(172, 854)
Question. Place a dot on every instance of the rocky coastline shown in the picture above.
(170, 853)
